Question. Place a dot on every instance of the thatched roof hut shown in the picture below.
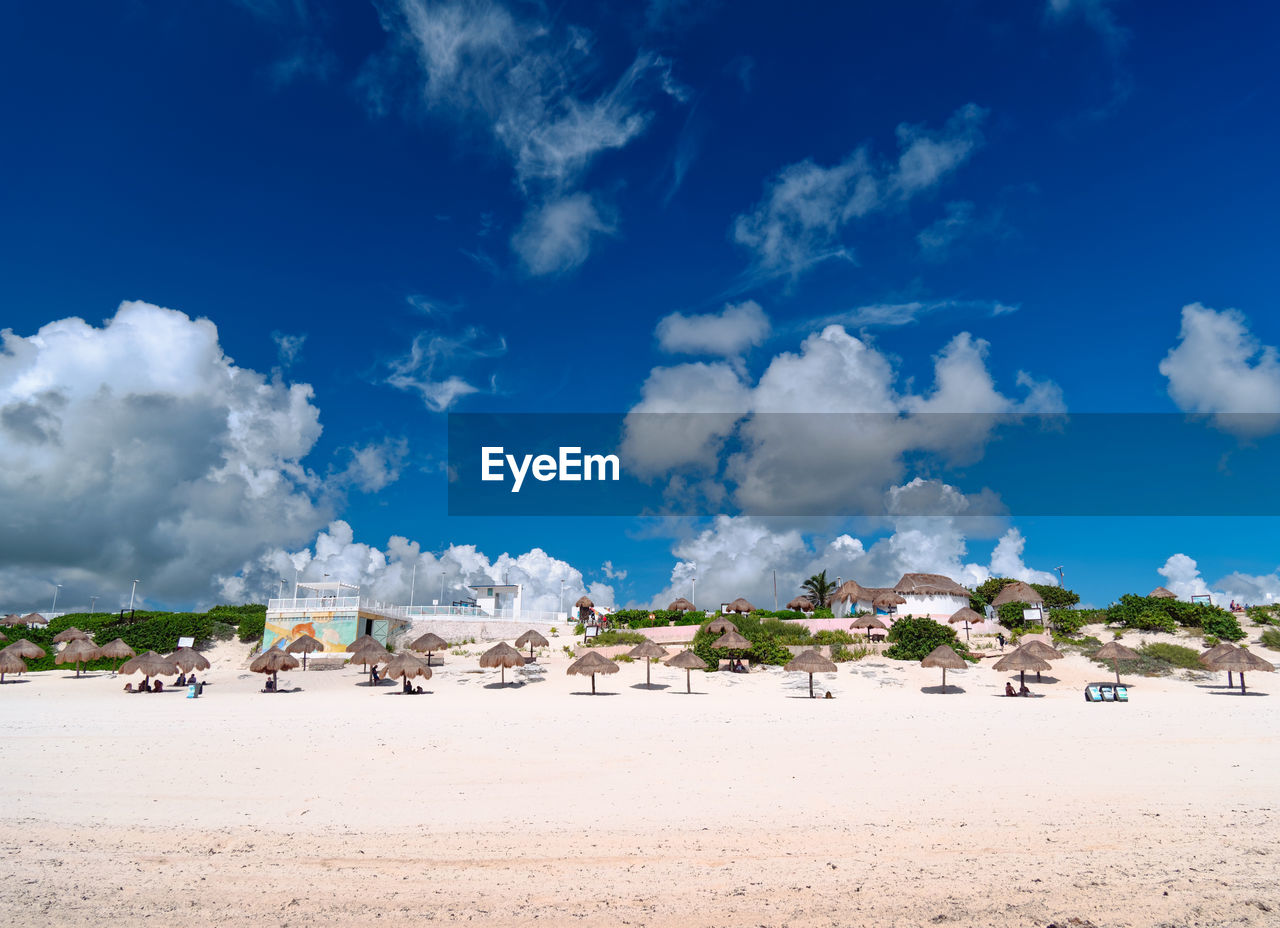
(584, 602)
(12, 619)
(733, 641)
(681, 605)
(69, 634)
(887, 599)
(1018, 592)
(189, 659)
(929, 585)
(944, 656)
(502, 655)
(647, 651)
(810, 662)
(852, 592)
(1021, 660)
(740, 606)
(11, 663)
(687, 661)
(272, 661)
(406, 666)
(34, 618)
(361, 642)
(24, 649)
(1241, 660)
(801, 604)
(966, 614)
(150, 664)
(533, 639)
(1040, 649)
(720, 625)
(1161, 592)
(77, 651)
(593, 662)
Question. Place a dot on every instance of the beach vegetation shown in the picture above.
(1225, 627)
(1175, 655)
(843, 654)
(1264, 615)
(1151, 613)
(1270, 639)
(615, 636)
(786, 632)
(579, 630)
(661, 618)
(833, 636)
(911, 639)
(554, 631)
(1055, 597)
(765, 648)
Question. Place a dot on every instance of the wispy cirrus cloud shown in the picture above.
(431, 368)
(806, 208)
(532, 85)
(896, 314)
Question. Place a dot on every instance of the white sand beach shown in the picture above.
(743, 804)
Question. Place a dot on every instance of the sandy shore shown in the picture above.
(743, 804)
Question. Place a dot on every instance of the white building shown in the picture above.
(921, 595)
(499, 600)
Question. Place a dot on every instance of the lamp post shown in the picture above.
(442, 589)
(54, 606)
(775, 591)
(280, 592)
(562, 597)
(131, 594)
(92, 600)
(412, 582)
(693, 594)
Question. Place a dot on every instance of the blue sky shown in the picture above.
(524, 192)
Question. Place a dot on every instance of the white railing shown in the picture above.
(314, 604)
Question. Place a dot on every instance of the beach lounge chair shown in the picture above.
(1122, 694)
(1108, 693)
(1093, 693)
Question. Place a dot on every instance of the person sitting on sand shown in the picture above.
(128, 687)
(192, 681)
(181, 681)
(159, 687)
(1009, 690)
(270, 687)
(417, 689)
(407, 687)
(1024, 691)
(373, 675)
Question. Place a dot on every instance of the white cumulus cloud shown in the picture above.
(556, 236)
(727, 333)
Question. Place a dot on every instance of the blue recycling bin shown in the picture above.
(191, 691)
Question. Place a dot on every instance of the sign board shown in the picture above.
(186, 642)
(1204, 598)
(1034, 616)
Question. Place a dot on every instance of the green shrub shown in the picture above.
(1210, 641)
(1223, 626)
(1152, 620)
(614, 636)
(765, 646)
(787, 632)
(1010, 615)
(1055, 597)
(1271, 639)
(841, 653)
(252, 627)
(833, 636)
(579, 629)
(1173, 654)
(221, 631)
(911, 639)
(1264, 615)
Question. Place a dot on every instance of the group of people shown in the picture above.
(1010, 691)
(146, 686)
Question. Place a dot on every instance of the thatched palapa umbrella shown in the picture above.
(645, 651)
(272, 661)
(304, 646)
(720, 626)
(740, 606)
(1041, 650)
(687, 661)
(1241, 660)
(77, 652)
(944, 656)
(1018, 592)
(810, 662)
(69, 634)
(10, 663)
(406, 667)
(681, 605)
(502, 655)
(150, 664)
(868, 622)
(12, 619)
(428, 643)
(189, 659)
(368, 654)
(1112, 651)
(968, 617)
(534, 640)
(34, 618)
(4, 637)
(887, 599)
(1209, 657)
(801, 604)
(732, 641)
(593, 662)
(1021, 660)
(584, 605)
(117, 650)
(25, 649)
(1162, 593)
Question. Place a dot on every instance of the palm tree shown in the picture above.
(819, 589)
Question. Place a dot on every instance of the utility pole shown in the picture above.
(54, 607)
(413, 580)
(92, 600)
(131, 594)
(442, 589)
(775, 590)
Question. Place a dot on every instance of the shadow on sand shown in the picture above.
(650, 686)
(1238, 693)
(509, 685)
(403, 693)
(939, 688)
(7, 682)
(589, 693)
